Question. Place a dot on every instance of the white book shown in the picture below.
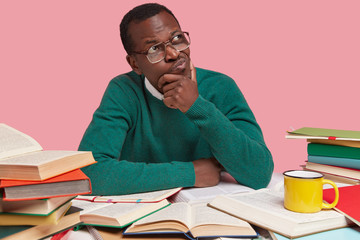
(146, 197)
(22, 157)
(115, 214)
(14, 142)
(265, 208)
(227, 185)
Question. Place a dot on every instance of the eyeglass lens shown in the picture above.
(157, 52)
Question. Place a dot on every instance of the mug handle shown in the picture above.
(333, 204)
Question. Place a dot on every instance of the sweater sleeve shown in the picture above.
(235, 138)
(105, 137)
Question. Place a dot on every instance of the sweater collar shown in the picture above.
(153, 90)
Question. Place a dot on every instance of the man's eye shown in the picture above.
(177, 38)
(153, 49)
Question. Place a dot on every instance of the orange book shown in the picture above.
(68, 184)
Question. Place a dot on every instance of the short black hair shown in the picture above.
(139, 14)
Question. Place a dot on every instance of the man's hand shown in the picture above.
(180, 92)
(207, 172)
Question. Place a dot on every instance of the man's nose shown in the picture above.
(171, 53)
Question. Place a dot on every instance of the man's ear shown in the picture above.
(133, 64)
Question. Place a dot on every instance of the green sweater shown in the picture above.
(142, 145)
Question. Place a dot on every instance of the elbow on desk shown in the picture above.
(262, 174)
(259, 174)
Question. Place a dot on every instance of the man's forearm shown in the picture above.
(238, 146)
(113, 177)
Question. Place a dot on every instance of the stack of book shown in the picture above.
(335, 153)
(37, 186)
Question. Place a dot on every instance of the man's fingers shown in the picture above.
(169, 102)
(167, 78)
(170, 86)
(192, 71)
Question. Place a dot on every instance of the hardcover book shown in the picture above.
(344, 143)
(348, 201)
(333, 151)
(69, 221)
(335, 170)
(324, 133)
(34, 207)
(21, 157)
(335, 161)
(10, 219)
(67, 184)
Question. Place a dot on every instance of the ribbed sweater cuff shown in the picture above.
(185, 174)
(199, 111)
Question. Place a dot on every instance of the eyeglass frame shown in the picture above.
(166, 43)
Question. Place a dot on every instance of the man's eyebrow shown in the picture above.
(175, 31)
(150, 41)
(153, 41)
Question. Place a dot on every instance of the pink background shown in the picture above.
(297, 63)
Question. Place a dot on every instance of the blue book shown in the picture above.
(348, 233)
(335, 161)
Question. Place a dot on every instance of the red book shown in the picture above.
(349, 201)
(68, 184)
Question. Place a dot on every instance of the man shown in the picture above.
(167, 124)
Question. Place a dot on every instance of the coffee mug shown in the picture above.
(303, 191)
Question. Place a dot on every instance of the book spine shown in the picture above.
(335, 161)
(333, 151)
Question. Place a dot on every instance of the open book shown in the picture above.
(21, 157)
(265, 208)
(193, 220)
(147, 197)
(227, 185)
(115, 214)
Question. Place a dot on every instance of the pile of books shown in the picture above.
(334, 153)
(37, 186)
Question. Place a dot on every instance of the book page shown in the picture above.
(137, 197)
(14, 142)
(118, 210)
(36, 158)
(323, 132)
(204, 215)
(112, 210)
(177, 211)
(272, 202)
(227, 185)
(87, 206)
